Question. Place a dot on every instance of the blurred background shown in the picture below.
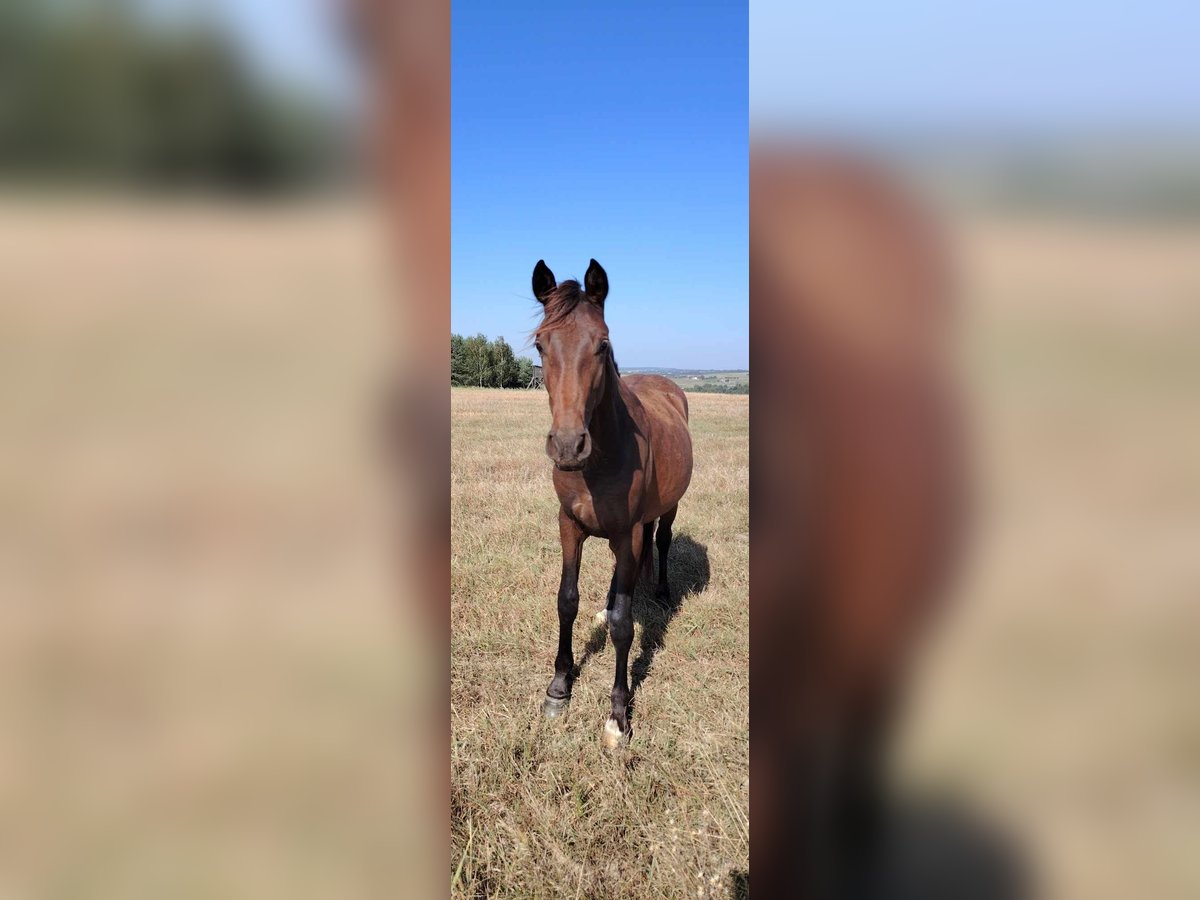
(204, 671)
(172, 94)
(206, 685)
(1052, 743)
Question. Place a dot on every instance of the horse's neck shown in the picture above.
(611, 420)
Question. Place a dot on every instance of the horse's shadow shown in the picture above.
(934, 847)
(939, 847)
(688, 572)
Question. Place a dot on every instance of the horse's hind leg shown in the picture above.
(663, 593)
(601, 617)
(559, 692)
(646, 568)
(647, 552)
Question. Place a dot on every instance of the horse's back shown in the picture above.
(666, 408)
(658, 393)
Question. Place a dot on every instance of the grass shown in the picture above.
(538, 809)
(200, 665)
(1059, 697)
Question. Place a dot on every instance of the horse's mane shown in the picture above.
(558, 306)
(560, 303)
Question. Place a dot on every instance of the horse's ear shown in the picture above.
(595, 282)
(543, 280)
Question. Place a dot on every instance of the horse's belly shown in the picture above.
(672, 472)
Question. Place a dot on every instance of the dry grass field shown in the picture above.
(538, 809)
(1059, 699)
(201, 657)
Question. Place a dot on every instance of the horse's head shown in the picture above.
(572, 341)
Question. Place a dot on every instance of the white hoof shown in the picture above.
(612, 736)
(601, 618)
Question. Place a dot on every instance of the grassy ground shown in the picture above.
(537, 808)
(1059, 699)
(200, 664)
(198, 634)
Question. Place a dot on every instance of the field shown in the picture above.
(702, 379)
(1058, 703)
(202, 659)
(537, 808)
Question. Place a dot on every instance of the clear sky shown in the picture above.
(614, 130)
(1032, 66)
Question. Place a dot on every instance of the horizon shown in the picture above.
(519, 353)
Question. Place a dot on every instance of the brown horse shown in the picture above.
(859, 493)
(622, 460)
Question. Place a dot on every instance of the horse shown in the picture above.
(622, 457)
(859, 498)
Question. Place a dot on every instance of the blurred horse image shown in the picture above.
(856, 490)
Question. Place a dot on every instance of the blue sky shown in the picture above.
(606, 130)
(1062, 66)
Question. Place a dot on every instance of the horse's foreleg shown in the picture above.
(628, 550)
(663, 593)
(559, 692)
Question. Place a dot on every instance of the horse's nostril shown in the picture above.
(579, 444)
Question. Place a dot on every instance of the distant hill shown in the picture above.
(704, 381)
(682, 373)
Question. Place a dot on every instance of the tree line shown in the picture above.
(102, 92)
(743, 388)
(482, 363)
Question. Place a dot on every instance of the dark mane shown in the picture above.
(558, 306)
(560, 303)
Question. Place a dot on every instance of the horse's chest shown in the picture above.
(583, 511)
(602, 516)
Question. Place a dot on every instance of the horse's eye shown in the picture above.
(537, 345)
(603, 347)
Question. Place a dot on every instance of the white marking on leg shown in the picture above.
(612, 737)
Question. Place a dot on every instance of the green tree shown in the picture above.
(103, 92)
(524, 371)
(482, 363)
(477, 354)
(507, 372)
(460, 367)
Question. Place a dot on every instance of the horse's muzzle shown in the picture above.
(569, 448)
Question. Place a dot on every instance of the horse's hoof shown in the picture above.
(553, 707)
(613, 738)
(601, 618)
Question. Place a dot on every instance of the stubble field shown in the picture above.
(538, 809)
